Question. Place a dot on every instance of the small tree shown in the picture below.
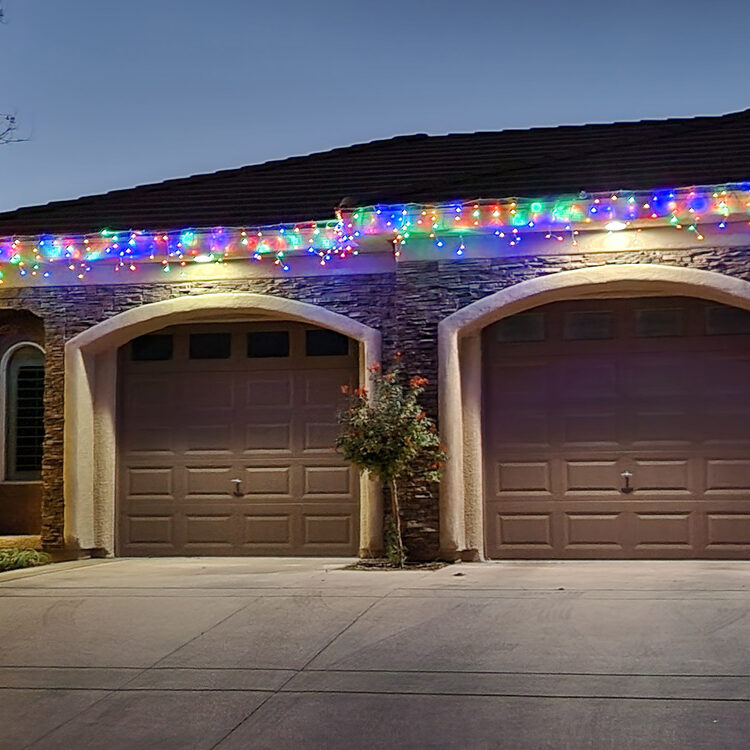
(387, 434)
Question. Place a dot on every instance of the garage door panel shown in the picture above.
(266, 481)
(667, 476)
(728, 530)
(264, 437)
(593, 477)
(589, 530)
(150, 530)
(520, 383)
(516, 532)
(150, 481)
(727, 424)
(673, 411)
(143, 395)
(659, 376)
(214, 529)
(149, 441)
(654, 424)
(585, 378)
(727, 377)
(322, 388)
(662, 530)
(728, 475)
(269, 390)
(593, 427)
(212, 437)
(327, 481)
(520, 427)
(321, 436)
(214, 481)
(522, 477)
(210, 391)
(269, 528)
(328, 528)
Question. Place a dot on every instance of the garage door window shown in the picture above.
(588, 326)
(262, 344)
(520, 328)
(324, 343)
(24, 428)
(658, 322)
(727, 320)
(155, 348)
(210, 345)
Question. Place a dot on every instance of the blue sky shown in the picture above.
(115, 94)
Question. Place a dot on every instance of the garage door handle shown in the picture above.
(237, 491)
(626, 488)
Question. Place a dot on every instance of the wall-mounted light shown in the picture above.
(615, 226)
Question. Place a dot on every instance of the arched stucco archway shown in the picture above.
(460, 368)
(91, 399)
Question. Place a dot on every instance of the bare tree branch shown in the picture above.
(8, 129)
(8, 124)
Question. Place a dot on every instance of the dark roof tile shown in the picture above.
(641, 155)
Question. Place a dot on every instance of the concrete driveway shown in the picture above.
(278, 653)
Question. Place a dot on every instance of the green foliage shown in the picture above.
(387, 433)
(12, 559)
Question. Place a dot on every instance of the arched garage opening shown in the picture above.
(94, 390)
(473, 495)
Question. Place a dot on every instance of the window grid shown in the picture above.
(28, 419)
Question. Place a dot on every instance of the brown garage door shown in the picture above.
(580, 395)
(203, 406)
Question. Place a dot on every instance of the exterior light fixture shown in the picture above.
(615, 226)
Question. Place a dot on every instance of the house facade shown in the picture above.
(172, 355)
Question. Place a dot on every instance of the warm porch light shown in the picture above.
(615, 226)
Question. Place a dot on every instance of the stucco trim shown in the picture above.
(460, 382)
(91, 397)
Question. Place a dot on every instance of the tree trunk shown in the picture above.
(396, 513)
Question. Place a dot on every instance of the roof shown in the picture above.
(636, 156)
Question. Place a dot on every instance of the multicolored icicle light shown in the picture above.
(338, 239)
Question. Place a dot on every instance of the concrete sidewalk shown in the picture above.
(290, 653)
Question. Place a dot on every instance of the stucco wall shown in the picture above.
(406, 306)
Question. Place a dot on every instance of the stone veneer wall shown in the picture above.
(406, 306)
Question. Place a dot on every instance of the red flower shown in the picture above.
(418, 381)
(374, 368)
(421, 416)
(360, 391)
(345, 389)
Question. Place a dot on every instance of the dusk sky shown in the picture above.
(115, 94)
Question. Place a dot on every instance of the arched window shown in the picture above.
(24, 412)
